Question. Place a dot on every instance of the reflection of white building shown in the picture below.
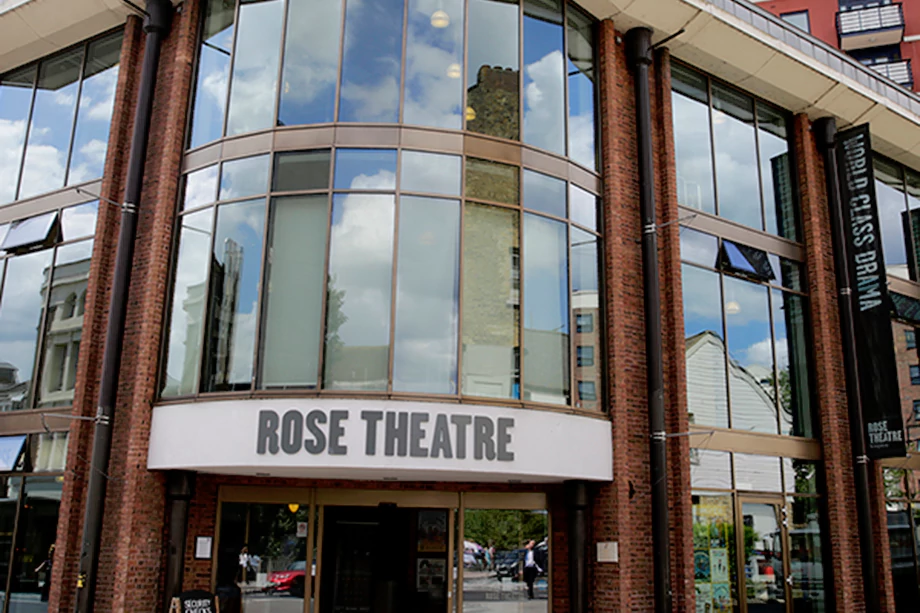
(753, 407)
(12, 391)
(63, 327)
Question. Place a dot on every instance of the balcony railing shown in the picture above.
(898, 71)
(870, 27)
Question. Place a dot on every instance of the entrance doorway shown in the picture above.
(385, 559)
(762, 545)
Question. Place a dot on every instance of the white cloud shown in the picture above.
(544, 103)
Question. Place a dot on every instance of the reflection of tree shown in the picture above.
(504, 528)
(894, 483)
(277, 540)
(335, 317)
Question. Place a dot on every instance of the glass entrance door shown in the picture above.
(761, 545)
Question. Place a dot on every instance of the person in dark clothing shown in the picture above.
(531, 569)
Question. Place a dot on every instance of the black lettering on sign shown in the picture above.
(196, 601)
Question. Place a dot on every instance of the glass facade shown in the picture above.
(897, 190)
(44, 270)
(528, 68)
(746, 322)
(733, 154)
(757, 533)
(30, 496)
(384, 270)
(54, 119)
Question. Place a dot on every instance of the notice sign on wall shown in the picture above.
(883, 423)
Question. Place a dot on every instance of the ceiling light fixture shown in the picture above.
(440, 19)
(454, 71)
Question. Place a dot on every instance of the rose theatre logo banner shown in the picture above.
(416, 434)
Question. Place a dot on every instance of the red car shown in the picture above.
(291, 580)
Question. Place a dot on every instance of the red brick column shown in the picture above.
(98, 294)
(830, 383)
(673, 339)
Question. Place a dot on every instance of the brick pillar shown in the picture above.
(98, 294)
(675, 368)
(843, 558)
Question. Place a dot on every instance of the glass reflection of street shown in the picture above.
(489, 592)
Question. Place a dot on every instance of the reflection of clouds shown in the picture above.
(430, 172)
(432, 97)
(544, 112)
(12, 134)
(371, 61)
(760, 353)
(545, 275)
(255, 67)
(493, 37)
(384, 179)
(243, 343)
(244, 177)
(200, 187)
(44, 170)
(79, 221)
(98, 95)
(581, 139)
(89, 162)
(736, 170)
(692, 152)
(375, 102)
(698, 247)
(21, 309)
(890, 212)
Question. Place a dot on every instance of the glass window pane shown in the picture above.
(913, 203)
(493, 69)
(434, 64)
(544, 193)
(582, 207)
(9, 502)
(692, 141)
(244, 177)
(757, 473)
(200, 187)
(546, 311)
(234, 296)
(64, 324)
(750, 353)
(188, 302)
(311, 62)
(301, 170)
(776, 172)
(431, 173)
(31, 231)
(792, 340)
(79, 221)
(792, 274)
(492, 181)
(97, 98)
(48, 451)
(213, 72)
(585, 305)
(707, 394)
(30, 583)
(371, 61)
(892, 216)
(255, 66)
(736, 156)
(358, 292)
(427, 285)
(15, 101)
(800, 476)
(580, 68)
(294, 291)
(715, 567)
(544, 79)
(710, 469)
(806, 556)
(698, 247)
(369, 169)
(52, 121)
(491, 302)
(21, 307)
(517, 542)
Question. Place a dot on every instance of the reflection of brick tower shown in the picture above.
(494, 103)
(225, 282)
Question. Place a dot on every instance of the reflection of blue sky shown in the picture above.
(242, 223)
(365, 169)
(255, 67)
(21, 308)
(544, 193)
(493, 37)
(211, 88)
(311, 62)
(771, 146)
(545, 274)
(243, 177)
(371, 61)
(702, 304)
(434, 97)
(427, 288)
(693, 153)
(78, 221)
(698, 247)
(736, 170)
(544, 88)
(15, 98)
(581, 71)
(748, 330)
(431, 173)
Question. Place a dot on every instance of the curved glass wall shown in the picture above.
(386, 271)
(519, 70)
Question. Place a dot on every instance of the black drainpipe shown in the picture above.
(156, 25)
(576, 498)
(639, 54)
(825, 130)
(180, 487)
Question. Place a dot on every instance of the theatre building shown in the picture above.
(453, 306)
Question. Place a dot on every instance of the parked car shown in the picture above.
(509, 564)
(291, 581)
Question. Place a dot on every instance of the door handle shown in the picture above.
(789, 580)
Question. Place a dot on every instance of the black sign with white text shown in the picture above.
(195, 601)
(883, 423)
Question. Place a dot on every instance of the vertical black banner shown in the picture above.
(878, 374)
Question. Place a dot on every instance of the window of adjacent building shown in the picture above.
(56, 115)
(916, 410)
(799, 19)
(362, 283)
(522, 70)
(42, 276)
(914, 374)
(910, 338)
(732, 154)
(747, 340)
